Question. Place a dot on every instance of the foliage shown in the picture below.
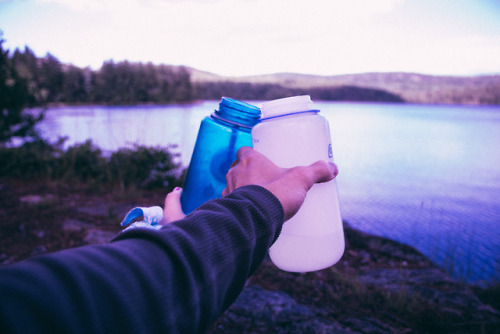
(128, 168)
(14, 96)
(83, 162)
(129, 83)
(242, 90)
(122, 83)
(263, 91)
(33, 160)
(144, 166)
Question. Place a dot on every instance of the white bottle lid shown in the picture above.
(286, 106)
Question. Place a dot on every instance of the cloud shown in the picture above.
(338, 8)
(239, 37)
(83, 5)
(118, 5)
(276, 20)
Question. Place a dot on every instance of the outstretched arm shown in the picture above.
(177, 279)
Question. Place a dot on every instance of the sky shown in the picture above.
(252, 37)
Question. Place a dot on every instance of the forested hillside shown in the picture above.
(410, 87)
(50, 81)
(126, 83)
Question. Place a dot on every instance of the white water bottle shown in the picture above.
(292, 133)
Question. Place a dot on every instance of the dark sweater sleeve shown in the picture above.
(178, 279)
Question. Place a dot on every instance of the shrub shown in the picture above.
(83, 162)
(137, 167)
(33, 160)
(145, 167)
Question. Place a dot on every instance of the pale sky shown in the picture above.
(247, 37)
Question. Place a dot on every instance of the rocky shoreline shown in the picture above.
(379, 286)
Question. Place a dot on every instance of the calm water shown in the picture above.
(428, 176)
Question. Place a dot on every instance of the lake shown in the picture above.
(424, 175)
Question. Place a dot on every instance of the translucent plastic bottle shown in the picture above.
(292, 133)
(220, 136)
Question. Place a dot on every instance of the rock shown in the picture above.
(37, 199)
(454, 299)
(367, 325)
(395, 279)
(93, 235)
(380, 286)
(261, 311)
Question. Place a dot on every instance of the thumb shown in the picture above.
(322, 171)
(172, 210)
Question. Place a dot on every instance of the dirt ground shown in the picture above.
(37, 218)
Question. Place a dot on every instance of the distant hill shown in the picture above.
(409, 87)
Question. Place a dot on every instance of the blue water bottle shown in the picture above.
(220, 136)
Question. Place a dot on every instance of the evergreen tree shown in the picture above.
(75, 85)
(51, 78)
(15, 121)
(26, 64)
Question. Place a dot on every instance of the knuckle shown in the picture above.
(243, 151)
(300, 171)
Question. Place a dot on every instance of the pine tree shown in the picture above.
(15, 121)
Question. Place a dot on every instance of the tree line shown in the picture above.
(265, 91)
(50, 81)
(126, 83)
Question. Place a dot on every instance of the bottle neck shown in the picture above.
(214, 116)
(237, 113)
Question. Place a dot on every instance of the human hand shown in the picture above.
(289, 185)
(172, 210)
